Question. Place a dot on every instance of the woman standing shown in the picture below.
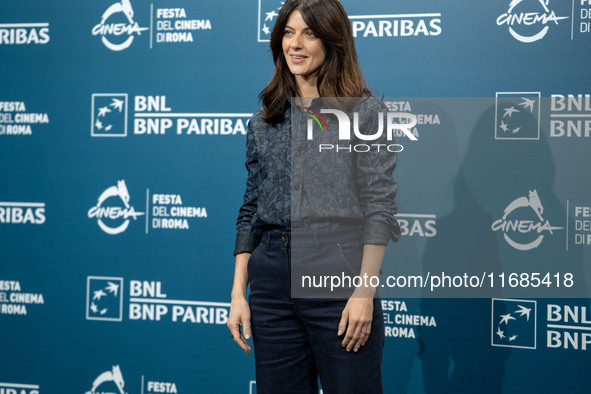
(297, 340)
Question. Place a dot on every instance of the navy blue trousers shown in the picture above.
(295, 339)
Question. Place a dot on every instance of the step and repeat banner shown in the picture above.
(122, 147)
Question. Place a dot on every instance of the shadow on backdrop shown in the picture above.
(458, 357)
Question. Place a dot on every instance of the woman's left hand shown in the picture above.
(356, 322)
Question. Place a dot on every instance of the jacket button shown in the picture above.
(297, 187)
(282, 238)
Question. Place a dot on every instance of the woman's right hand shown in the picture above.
(239, 309)
(240, 316)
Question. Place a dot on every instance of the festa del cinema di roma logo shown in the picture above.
(118, 36)
(529, 20)
(524, 227)
(114, 219)
(112, 382)
(112, 379)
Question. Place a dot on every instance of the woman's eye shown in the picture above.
(287, 32)
(310, 34)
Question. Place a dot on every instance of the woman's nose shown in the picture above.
(296, 41)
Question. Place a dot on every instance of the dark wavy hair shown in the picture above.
(338, 76)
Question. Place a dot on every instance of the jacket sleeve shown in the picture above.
(246, 241)
(374, 180)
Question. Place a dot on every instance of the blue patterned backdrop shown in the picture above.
(122, 138)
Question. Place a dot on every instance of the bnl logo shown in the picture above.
(104, 298)
(513, 323)
(109, 115)
(517, 116)
(268, 12)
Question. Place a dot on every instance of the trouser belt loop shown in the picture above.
(316, 241)
(267, 241)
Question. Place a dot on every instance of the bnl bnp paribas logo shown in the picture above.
(117, 27)
(363, 26)
(24, 34)
(517, 116)
(104, 298)
(513, 323)
(268, 12)
(19, 388)
(522, 224)
(152, 115)
(109, 115)
(529, 20)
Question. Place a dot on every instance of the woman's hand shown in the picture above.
(240, 316)
(358, 313)
(356, 322)
(239, 309)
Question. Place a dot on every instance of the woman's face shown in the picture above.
(303, 51)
